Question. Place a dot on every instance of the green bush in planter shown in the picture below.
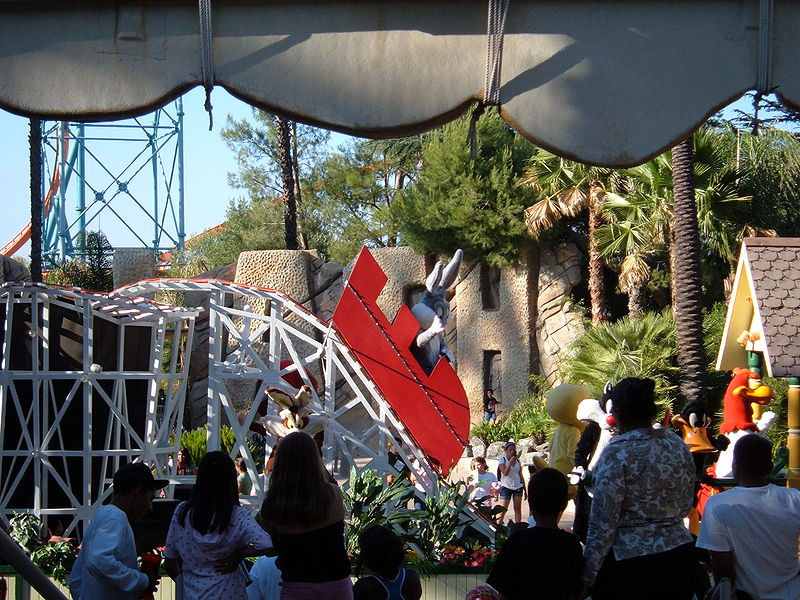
(55, 559)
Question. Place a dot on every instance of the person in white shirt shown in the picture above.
(106, 567)
(512, 483)
(480, 483)
(752, 530)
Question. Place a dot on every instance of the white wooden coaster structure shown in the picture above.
(88, 382)
(246, 344)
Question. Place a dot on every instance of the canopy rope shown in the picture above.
(764, 45)
(498, 11)
(207, 51)
(495, 29)
(763, 75)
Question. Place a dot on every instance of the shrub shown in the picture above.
(643, 346)
(526, 418)
(195, 441)
(55, 559)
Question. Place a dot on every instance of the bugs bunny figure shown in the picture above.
(433, 312)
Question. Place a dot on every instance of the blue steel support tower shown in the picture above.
(121, 176)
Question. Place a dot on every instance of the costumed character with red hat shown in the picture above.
(744, 390)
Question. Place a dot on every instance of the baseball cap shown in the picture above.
(130, 475)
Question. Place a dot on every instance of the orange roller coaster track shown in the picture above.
(19, 240)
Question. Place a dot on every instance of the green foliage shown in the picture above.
(352, 199)
(442, 520)
(93, 272)
(195, 441)
(256, 146)
(643, 346)
(55, 559)
(526, 418)
(471, 203)
(369, 502)
(255, 224)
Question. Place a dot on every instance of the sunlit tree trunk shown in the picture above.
(287, 179)
(597, 295)
(686, 281)
(301, 213)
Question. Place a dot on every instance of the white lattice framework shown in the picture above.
(250, 331)
(67, 422)
(361, 421)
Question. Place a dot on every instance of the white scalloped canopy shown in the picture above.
(606, 82)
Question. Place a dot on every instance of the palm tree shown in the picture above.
(569, 188)
(632, 238)
(686, 281)
(640, 218)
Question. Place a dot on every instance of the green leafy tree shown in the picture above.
(277, 160)
(250, 225)
(461, 201)
(353, 199)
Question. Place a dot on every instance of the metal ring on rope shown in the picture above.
(207, 52)
(496, 24)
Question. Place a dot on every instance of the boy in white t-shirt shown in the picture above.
(480, 483)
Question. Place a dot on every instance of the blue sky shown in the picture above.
(207, 163)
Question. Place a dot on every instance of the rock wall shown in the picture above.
(131, 265)
(558, 321)
(504, 329)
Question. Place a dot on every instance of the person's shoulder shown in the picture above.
(240, 513)
(110, 512)
(367, 587)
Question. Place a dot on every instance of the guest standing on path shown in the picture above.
(106, 567)
(490, 407)
(210, 534)
(243, 481)
(512, 482)
(304, 512)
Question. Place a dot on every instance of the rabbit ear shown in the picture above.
(450, 273)
(432, 282)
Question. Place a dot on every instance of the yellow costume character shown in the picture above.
(562, 406)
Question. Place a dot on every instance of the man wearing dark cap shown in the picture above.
(106, 566)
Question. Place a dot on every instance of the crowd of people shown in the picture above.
(636, 545)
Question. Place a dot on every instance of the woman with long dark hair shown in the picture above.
(208, 530)
(304, 512)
